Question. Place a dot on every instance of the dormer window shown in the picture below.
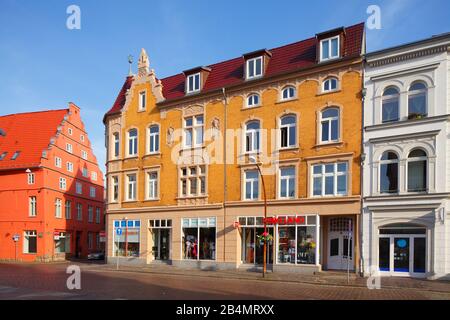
(254, 68)
(329, 49)
(193, 83)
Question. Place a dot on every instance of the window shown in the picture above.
(94, 176)
(58, 162)
(79, 212)
(390, 105)
(287, 182)
(132, 142)
(82, 138)
(389, 172)
(84, 155)
(62, 243)
(329, 49)
(31, 178)
(69, 166)
(90, 214)
(92, 192)
(115, 188)
(199, 238)
(297, 240)
(254, 68)
(90, 241)
(330, 84)
(129, 245)
(30, 242)
(79, 188)
(85, 172)
(252, 136)
(417, 100)
(32, 210)
(69, 130)
(417, 171)
(62, 183)
(253, 100)
(131, 187)
(58, 208)
(154, 139)
(288, 93)
(288, 132)
(152, 185)
(193, 83)
(330, 179)
(69, 148)
(116, 144)
(193, 181)
(251, 184)
(97, 215)
(68, 209)
(193, 131)
(142, 100)
(329, 125)
(15, 155)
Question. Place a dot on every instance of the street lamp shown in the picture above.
(253, 160)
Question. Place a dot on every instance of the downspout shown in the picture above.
(224, 169)
(363, 158)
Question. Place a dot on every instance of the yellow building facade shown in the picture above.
(183, 155)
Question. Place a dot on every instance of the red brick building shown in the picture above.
(51, 188)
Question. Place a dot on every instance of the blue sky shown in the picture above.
(44, 65)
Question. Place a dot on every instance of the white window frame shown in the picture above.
(32, 210)
(92, 192)
(69, 131)
(152, 185)
(142, 100)
(114, 184)
(116, 142)
(69, 166)
(252, 185)
(153, 137)
(94, 176)
(250, 100)
(287, 89)
(389, 98)
(58, 208)
(248, 63)
(68, 209)
(82, 138)
(387, 162)
(194, 77)
(335, 174)
(330, 56)
(26, 235)
(288, 126)
(199, 176)
(84, 155)
(133, 186)
(31, 178)
(329, 80)
(420, 92)
(287, 178)
(97, 215)
(328, 121)
(85, 172)
(69, 148)
(58, 162)
(417, 159)
(90, 214)
(78, 187)
(63, 183)
(194, 128)
(254, 143)
(135, 143)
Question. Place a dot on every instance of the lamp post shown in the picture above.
(253, 159)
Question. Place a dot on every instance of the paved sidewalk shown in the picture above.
(327, 278)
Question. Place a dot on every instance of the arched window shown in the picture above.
(252, 136)
(417, 171)
(288, 131)
(389, 172)
(154, 138)
(253, 100)
(132, 142)
(116, 142)
(417, 101)
(288, 93)
(329, 125)
(330, 84)
(390, 105)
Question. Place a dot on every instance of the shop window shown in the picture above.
(128, 243)
(62, 242)
(199, 238)
(30, 242)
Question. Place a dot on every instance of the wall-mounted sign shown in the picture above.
(16, 237)
(285, 220)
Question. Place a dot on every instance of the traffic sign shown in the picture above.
(16, 237)
(119, 231)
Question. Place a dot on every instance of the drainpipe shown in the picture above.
(363, 158)
(224, 168)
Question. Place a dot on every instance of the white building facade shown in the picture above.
(406, 160)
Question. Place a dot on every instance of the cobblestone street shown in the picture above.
(33, 281)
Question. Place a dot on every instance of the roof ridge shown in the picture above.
(33, 112)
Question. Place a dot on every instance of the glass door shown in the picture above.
(401, 254)
(161, 244)
(259, 252)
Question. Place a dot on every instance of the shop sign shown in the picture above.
(16, 237)
(285, 220)
(56, 235)
(102, 235)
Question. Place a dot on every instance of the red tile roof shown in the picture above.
(29, 133)
(287, 58)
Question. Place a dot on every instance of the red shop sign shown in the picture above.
(285, 220)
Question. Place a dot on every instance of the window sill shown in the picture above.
(251, 107)
(192, 197)
(329, 144)
(330, 196)
(152, 154)
(131, 157)
(254, 78)
(130, 201)
(152, 200)
(296, 148)
(141, 110)
(322, 93)
(287, 100)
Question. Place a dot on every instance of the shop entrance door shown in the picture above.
(401, 253)
(253, 248)
(340, 244)
(161, 244)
